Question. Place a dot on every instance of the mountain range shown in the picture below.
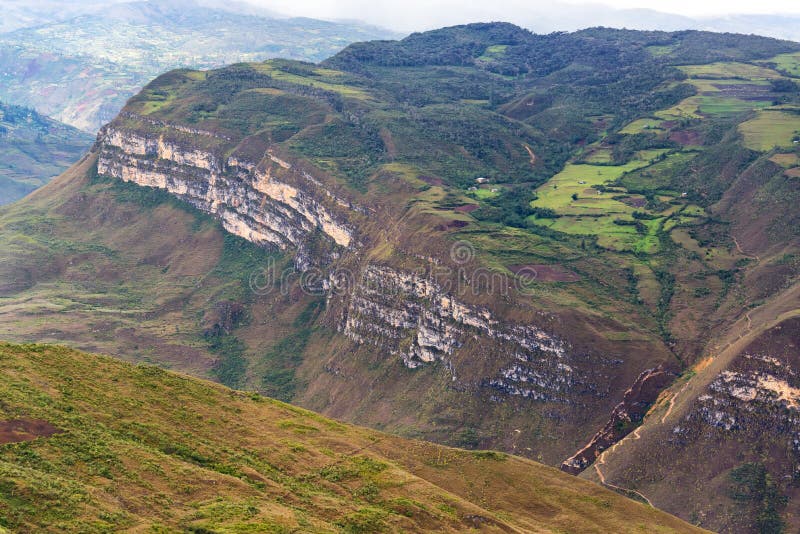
(581, 248)
(79, 65)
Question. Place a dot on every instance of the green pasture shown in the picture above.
(770, 129)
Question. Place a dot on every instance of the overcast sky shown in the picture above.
(409, 15)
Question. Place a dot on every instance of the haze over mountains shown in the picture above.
(81, 64)
(545, 17)
(33, 149)
(78, 62)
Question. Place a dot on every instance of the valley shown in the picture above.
(81, 68)
(478, 236)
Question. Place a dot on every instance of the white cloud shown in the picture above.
(426, 14)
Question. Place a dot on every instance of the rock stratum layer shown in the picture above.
(248, 197)
(271, 199)
(404, 313)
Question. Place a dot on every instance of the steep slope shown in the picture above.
(741, 403)
(476, 235)
(81, 69)
(89, 443)
(125, 271)
(33, 150)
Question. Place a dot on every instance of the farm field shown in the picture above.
(729, 70)
(584, 206)
(788, 63)
(592, 197)
(770, 129)
(786, 160)
(643, 125)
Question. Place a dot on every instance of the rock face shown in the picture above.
(626, 415)
(403, 313)
(412, 317)
(269, 202)
(247, 196)
(757, 389)
(493, 350)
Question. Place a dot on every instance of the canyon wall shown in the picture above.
(248, 197)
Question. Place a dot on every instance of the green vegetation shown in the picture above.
(787, 63)
(98, 445)
(114, 52)
(617, 166)
(771, 129)
(157, 309)
(729, 70)
(286, 355)
(510, 208)
(583, 205)
(754, 486)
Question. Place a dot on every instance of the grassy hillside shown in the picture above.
(34, 149)
(89, 443)
(90, 262)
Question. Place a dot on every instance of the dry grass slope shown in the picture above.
(143, 449)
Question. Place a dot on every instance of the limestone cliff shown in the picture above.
(269, 201)
(249, 197)
(504, 352)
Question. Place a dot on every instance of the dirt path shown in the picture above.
(742, 252)
(785, 306)
(601, 461)
(672, 402)
(531, 154)
(637, 432)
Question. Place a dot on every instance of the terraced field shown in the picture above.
(788, 64)
(628, 205)
(772, 128)
(586, 207)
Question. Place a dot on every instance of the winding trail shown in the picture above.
(742, 252)
(601, 461)
(636, 433)
(672, 402)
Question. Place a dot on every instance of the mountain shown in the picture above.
(90, 444)
(81, 69)
(476, 235)
(33, 149)
(26, 13)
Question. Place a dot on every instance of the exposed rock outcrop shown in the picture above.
(413, 318)
(758, 390)
(251, 198)
(626, 415)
